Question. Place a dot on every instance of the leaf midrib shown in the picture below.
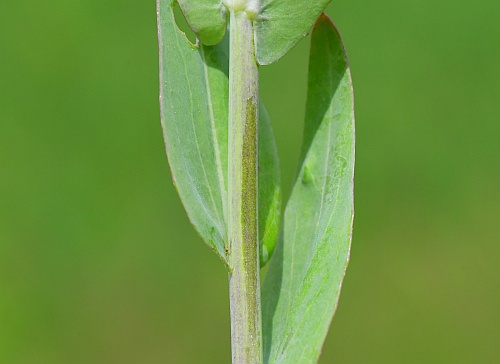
(213, 129)
(216, 223)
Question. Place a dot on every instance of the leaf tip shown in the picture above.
(323, 20)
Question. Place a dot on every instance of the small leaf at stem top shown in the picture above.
(207, 18)
(280, 24)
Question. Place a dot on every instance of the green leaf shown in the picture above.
(194, 91)
(302, 286)
(207, 18)
(281, 24)
(269, 188)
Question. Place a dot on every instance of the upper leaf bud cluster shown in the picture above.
(251, 7)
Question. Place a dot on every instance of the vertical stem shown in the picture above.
(244, 280)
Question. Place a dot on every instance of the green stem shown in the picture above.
(244, 280)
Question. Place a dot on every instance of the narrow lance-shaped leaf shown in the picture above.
(302, 287)
(280, 24)
(194, 113)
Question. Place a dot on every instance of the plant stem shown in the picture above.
(244, 280)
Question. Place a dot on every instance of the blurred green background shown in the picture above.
(98, 262)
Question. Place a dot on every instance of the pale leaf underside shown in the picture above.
(194, 113)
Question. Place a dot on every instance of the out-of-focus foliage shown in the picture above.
(93, 237)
